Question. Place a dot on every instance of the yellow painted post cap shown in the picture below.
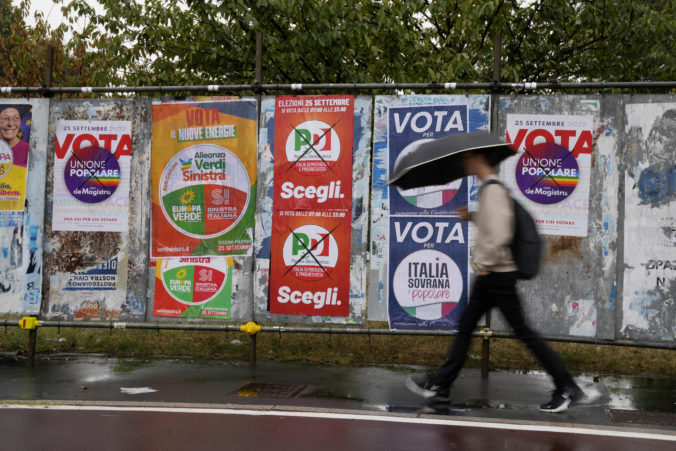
(29, 322)
(250, 328)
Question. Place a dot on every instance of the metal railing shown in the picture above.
(270, 87)
(253, 329)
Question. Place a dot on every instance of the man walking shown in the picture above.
(495, 286)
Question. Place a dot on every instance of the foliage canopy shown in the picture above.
(23, 49)
(166, 42)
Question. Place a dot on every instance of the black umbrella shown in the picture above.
(437, 162)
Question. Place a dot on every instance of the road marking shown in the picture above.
(359, 417)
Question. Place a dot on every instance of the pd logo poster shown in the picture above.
(428, 272)
(92, 161)
(193, 287)
(408, 128)
(15, 128)
(313, 152)
(551, 174)
(204, 176)
(310, 263)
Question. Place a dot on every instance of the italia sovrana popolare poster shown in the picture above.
(203, 178)
(193, 287)
(428, 244)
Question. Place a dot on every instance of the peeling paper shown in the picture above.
(648, 310)
(583, 314)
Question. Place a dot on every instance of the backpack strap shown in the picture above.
(496, 182)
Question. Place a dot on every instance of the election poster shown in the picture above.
(15, 129)
(314, 135)
(193, 287)
(203, 171)
(310, 263)
(92, 161)
(550, 174)
(312, 206)
(409, 127)
(429, 271)
(428, 246)
(401, 124)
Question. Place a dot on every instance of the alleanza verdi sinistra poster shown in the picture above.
(203, 178)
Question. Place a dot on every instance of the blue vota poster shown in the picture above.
(428, 272)
(429, 246)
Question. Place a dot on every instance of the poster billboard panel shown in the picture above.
(203, 178)
(357, 211)
(193, 287)
(15, 129)
(401, 124)
(312, 205)
(428, 249)
(310, 263)
(551, 173)
(92, 162)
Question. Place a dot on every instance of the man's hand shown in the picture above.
(463, 213)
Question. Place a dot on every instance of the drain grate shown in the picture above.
(637, 417)
(262, 390)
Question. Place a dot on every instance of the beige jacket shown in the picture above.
(495, 228)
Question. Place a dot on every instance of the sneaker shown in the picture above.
(422, 387)
(561, 400)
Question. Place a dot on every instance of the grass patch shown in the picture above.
(336, 349)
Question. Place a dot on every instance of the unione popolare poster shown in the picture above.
(203, 178)
(15, 128)
(428, 244)
(312, 205)
(92, 161)
(193, 287)
(551, 173)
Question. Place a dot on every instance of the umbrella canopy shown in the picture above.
(438, 162)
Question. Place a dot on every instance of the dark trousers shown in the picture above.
(499, 290)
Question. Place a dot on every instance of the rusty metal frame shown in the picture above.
(112, 325)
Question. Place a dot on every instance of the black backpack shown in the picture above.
(526, 245)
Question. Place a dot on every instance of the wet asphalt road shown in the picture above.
(133, 430)
(180, 404)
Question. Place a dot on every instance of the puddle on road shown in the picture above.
(640, 393)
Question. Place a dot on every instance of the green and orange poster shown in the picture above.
(193, 287)
(203, 178)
